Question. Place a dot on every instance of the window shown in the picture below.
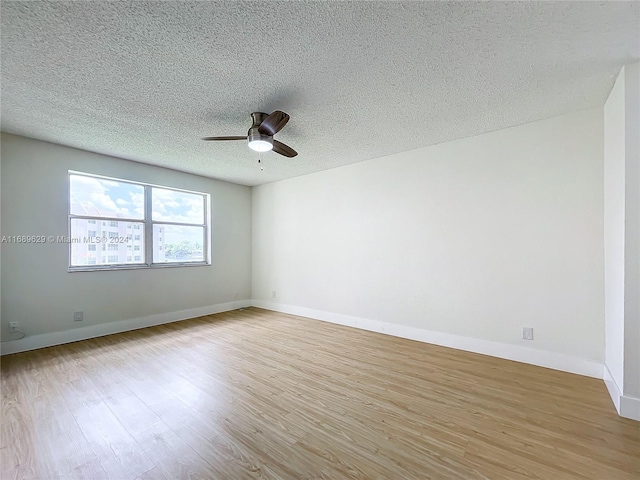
(162, 225)
(179, 226)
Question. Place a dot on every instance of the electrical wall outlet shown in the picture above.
(273, 294)
(78, 316)
(527, 333)
(13, 326)
(235, 295)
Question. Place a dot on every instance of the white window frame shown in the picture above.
(147, 226)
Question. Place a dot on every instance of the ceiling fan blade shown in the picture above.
(283, 149)
(226, 138)
(273, 123)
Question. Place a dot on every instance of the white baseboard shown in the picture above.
(628, 407)
(83, 333)
(555, 361)
(612, 387)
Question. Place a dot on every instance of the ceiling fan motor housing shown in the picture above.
(258, 118)
(259, 141)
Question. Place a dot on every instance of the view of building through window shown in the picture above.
(110, 222)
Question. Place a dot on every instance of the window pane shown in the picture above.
(98, 197)
(177, 243)
(178, 207)
(84, 244)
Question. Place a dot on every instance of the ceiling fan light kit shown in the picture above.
(260, 143)
(260, 135)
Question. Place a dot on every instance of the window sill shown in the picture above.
(136, 267)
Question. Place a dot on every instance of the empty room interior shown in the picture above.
(314, 239)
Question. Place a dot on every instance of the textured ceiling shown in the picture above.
(145, 80)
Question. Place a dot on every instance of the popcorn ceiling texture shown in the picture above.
(146, 80)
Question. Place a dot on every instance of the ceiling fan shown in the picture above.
(260, 135)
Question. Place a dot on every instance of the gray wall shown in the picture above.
(39, 292)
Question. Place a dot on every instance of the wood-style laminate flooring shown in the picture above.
(257, 394)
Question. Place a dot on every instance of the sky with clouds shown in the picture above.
(110, 198)
(126, 200)
(94, 196)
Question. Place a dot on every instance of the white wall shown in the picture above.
(42, 295)
(622, 241)
(632, 235)
(614, 166)
(476, 237)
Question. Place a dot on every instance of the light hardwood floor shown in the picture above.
(257, 394)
